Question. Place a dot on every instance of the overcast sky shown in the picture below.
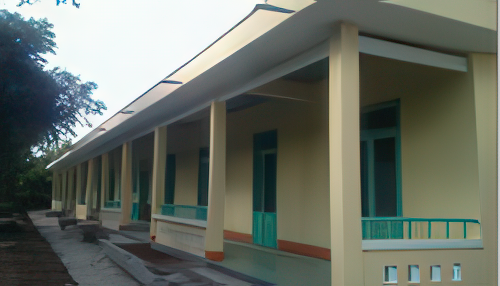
(128, 46)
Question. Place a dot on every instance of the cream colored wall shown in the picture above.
(440, 163)
(302, 171)
(474, 271)
(185, 140)
(111, 218)
(438, 135)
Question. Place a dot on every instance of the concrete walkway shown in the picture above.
(274, 266)
(86, 262)
(97, 264)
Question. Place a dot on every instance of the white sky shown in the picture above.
(128, 46)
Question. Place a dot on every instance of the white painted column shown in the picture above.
(159, 168)
(71, 189)
(214, 238)
(104, 179)
(78, 183)
(80, 208)
(95, 182)
(54, 189)
(64, 189)
(484, 69)
(58, 192)
(345, 184)
(126, 183)
(88, 192)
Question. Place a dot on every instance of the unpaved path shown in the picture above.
(85, 262)
(26, 258)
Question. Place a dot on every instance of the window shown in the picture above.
(390, 274)
(170, 179)
(203, 177)
(380, 161)
(457, 272)
(436, 273)
(413, 274)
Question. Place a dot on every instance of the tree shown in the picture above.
(31, 2)
(37, 106)
(34, 190)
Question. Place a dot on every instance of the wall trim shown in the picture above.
(179, 220)
(214, 255)
(111, 210)
(304, 249)
(412, 244)
(238, 236)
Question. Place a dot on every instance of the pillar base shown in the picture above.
(214, 255)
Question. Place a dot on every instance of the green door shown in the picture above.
(264, 189)
(381, 169)
(380, 161)
(144, 207)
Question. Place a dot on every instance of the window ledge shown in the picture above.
(113, 210)
(186, 221)
(408, 244)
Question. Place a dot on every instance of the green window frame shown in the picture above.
(203, 175)
(388, 115)
(170, 179)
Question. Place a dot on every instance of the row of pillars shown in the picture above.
(214, 236)
(346, 239)
(67, 189)
(344, 166)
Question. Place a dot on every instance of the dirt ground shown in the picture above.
(26, 258)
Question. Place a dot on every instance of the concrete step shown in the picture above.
(136, 226)
(154, 268)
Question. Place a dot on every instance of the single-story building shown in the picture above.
(363, 132)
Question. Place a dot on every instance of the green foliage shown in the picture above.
(58, 2)
(34, 189)
(38, 107)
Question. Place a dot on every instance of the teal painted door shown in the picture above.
(203, 175)
(380, 161)
(264, 189)
(144, 207)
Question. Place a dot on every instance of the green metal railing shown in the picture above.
(393, 227)
(112, 204)
(183, 211)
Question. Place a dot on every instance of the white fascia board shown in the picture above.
(414, 244)
(406, 53)
(185, 221)
(257, 23)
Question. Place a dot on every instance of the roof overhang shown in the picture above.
(267, 38)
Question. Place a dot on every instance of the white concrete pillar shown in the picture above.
(71, 189)
(95, 182)
(64, 189)
(54, 190)
(78, 183)
(80, 208)
(88, 192)
(126, 183)
(484, 69)
(58, 191)
(345, 185)
(104, 179)
(159, 168)
(214, 238)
